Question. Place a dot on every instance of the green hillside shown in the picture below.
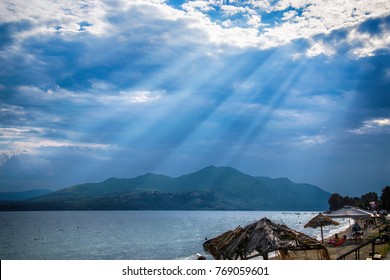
(211, 188)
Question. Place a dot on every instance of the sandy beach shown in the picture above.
(365, 253)
(350, 244)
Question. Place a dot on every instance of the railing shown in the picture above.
(356, 250)
(383, 222)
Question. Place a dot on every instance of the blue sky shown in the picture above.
(95, 89)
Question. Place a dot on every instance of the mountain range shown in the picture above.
(211, 188)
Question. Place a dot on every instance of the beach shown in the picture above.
(382, 250)
(364, 252)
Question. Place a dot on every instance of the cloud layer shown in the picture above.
(93, 89)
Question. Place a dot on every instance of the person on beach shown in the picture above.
(337, 241)
(334, 240)
(356, 227)
(356, 232)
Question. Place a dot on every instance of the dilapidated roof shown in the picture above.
(260, 238)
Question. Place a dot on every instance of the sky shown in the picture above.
(97, 89)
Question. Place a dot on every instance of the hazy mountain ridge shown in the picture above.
(211, 188)
(22, 195)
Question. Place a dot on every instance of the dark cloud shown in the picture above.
(153, 94)
(8, 31)
(375, 26)
(374, 83)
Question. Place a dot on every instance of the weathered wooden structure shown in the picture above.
(261, 238)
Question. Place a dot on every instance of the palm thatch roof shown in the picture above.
(321, 221)
(259, 239)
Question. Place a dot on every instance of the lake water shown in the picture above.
(133, 235)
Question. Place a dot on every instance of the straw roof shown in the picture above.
(320, 220)
(259, 239)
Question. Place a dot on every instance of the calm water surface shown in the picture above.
(111, 235)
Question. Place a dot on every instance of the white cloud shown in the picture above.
(289, 15)
(315, 17)
(254, 20)
(314, 140)
(34, 93)
(31, 140)
(105, 95)
(374, 126)
(323, 17)
(13, 110)
(52, 16)
(381, 122)
(320, 48)
(197, 5)
(35, 144)
(131, 97)
(368, 44)
(284, 4)
(231, 10)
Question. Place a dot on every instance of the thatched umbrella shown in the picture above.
(321, 221)
(259, 239)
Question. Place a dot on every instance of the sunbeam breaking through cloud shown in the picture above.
(95, 89)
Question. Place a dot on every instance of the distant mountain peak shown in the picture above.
(211, 188)
(111, 179)
(284, 179)
(220, 169)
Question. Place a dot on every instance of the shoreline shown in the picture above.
(364, 252)
(337, 251)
